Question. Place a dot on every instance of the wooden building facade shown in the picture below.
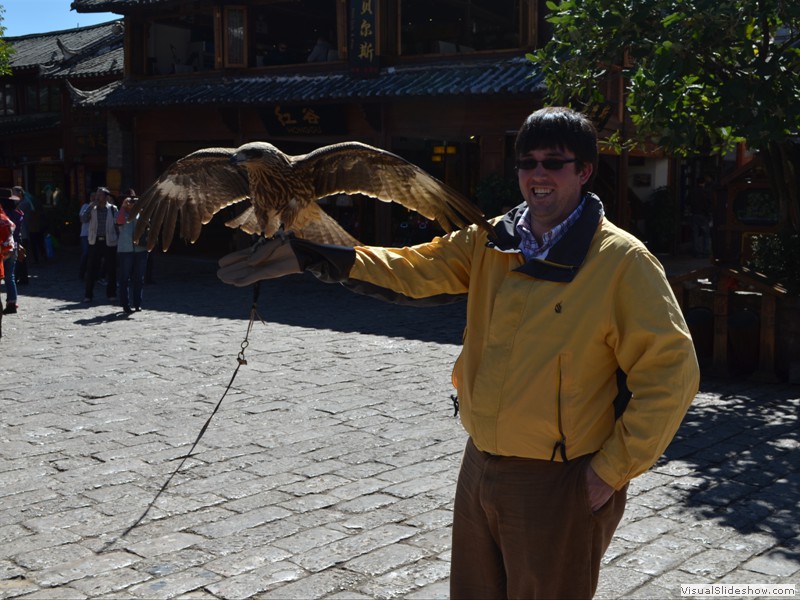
(444, 85)
(47, 146)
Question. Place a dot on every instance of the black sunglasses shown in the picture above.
(551, 164)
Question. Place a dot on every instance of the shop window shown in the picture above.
(293, 32)
(42, 98)
(181, 44)
(235, 36)
(461, 26)
(7, 102)
(45, 98)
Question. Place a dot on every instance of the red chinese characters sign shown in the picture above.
(304, 120)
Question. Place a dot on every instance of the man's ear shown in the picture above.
(586, 172)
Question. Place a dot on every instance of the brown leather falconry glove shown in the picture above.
(285, 256)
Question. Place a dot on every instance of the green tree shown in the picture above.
(5, 49)
(698, 76)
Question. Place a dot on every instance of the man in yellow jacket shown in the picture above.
(576, 371)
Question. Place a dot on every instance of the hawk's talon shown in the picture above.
(258, 243)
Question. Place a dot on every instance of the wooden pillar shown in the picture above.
(492, 159)
(383, 210)
(766, 353)
(720, 361)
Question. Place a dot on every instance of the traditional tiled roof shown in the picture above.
(114, 6)
(507, 77)
(82, 52)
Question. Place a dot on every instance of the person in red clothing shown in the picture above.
(7, 248)
(11, 262)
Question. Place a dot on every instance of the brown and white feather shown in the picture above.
(281, 191)
(195, 188)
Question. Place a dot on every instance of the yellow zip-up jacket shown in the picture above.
(553, 347)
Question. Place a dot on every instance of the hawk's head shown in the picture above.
(259, 152)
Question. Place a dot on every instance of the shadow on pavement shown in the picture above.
(102, 319)
(743, 447)
(188, 285)
(736, 453)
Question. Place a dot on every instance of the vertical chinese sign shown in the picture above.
(363, 47)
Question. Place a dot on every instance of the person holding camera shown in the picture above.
(131, 258)
(101, 216)
(84, 236)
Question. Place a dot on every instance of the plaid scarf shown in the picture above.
(530, 247)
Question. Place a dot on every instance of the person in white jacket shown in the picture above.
(101, 215)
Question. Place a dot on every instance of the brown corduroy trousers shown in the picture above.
(523, 528)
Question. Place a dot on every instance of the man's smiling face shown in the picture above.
(551, 194)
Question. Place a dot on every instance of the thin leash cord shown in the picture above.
(240, 359)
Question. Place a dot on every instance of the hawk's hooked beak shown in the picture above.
(246, 155)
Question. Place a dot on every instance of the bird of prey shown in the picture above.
(278, 192)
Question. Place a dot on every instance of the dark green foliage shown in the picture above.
(698, 76)
(777, 257)
(497, 194)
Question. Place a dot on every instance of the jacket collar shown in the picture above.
(566, 257)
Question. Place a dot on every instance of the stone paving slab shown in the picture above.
(329, 470)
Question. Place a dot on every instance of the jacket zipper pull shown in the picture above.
(562, 446)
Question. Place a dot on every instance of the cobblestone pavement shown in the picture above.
(329, 470)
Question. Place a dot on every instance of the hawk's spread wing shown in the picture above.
(353, 167)
(312, 223)
(315, 225)
(195, 187)
(200, 184)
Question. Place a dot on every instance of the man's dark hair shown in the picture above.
(561, 128)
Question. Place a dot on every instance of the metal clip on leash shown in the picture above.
(245, 343)
(241, 360)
